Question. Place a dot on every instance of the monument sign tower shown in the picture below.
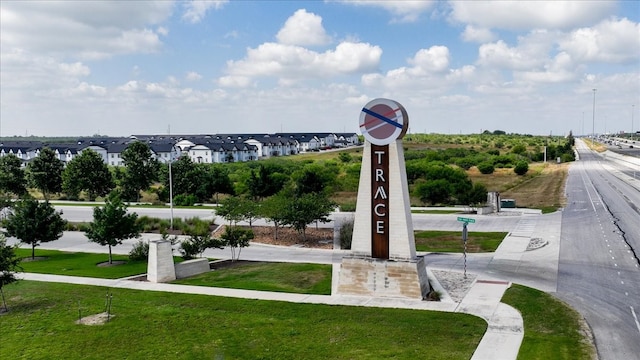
(383, 259)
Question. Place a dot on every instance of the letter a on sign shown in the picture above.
(380, 193)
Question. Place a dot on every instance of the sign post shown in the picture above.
(465, 221)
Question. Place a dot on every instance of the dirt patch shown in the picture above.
(37, 258)
(97, 319)
(113, 263)
(227, 264)
(321, 238)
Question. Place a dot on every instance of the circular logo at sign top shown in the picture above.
(383, 121)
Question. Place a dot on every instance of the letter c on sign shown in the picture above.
(375, 209)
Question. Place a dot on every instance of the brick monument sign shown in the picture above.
(383, 259)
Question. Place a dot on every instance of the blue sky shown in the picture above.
(144, 67)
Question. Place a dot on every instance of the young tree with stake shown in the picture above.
(112, 224)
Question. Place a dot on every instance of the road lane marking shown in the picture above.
(635, 318)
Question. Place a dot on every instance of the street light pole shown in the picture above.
(593, 124)
(632, 113)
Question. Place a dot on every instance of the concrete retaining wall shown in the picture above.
(191, 267)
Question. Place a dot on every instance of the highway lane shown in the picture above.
(85, 213)
(598, 271)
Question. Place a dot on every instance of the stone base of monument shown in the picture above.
(367, 276)
(160, 267)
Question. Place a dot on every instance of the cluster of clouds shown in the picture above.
(46, 47)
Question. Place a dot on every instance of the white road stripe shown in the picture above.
(635, 318)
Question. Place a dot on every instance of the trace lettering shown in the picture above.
(380, 202)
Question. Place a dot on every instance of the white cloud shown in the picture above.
(294, 62)
(531, 52)
(558, 70)
(193, 76)
(516, 15)
(402, 11)
(87, 29)
(303, 28)
(477, 34)
(428, 74)
(434, 59)
(611, 41)
(196, 10)
(500, 55)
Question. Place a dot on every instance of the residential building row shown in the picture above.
(218, 148)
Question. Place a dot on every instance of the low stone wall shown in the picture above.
(485, 210)
(191, 267)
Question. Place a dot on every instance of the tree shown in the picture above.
(249, 210)
(272, 209)
(45, 172)
(9, 265)
(434, 191)
(111, 224)
(12, 178)
(237, 239)
(263, 183)
(142, 169)
(521, 167)
(231, 210)
(476, 195)
(34, 222)
(305, 209)
(314, 179)
(486, 167)
(87, 172)
(199, 240)
(220, 181)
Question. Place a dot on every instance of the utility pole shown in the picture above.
(171, 179)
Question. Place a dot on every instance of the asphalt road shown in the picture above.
(598, 271)
(85, 213)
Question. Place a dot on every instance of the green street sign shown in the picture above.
(467, 220)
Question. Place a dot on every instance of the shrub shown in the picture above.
(185, 200)
(348, 206)
(521, 167)
(139, 251)
(189, 249)
(486, 167)
(345, 157)
(346, 234)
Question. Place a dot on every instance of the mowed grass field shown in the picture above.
(156, 325)
(451, 241)
(41, 323)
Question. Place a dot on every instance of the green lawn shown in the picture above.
(281, 277)
(451, 241)
(80, 264)
(551, 327)
(156, 325)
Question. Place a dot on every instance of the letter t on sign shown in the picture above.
(379, 201)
